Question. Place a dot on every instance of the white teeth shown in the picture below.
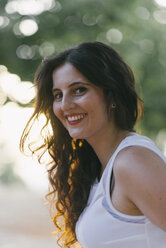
(76, 117)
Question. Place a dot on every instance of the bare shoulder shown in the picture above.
(135, 159)
(141, 175)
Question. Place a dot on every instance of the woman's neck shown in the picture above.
(105, 143)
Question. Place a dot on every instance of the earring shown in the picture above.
(113, 105)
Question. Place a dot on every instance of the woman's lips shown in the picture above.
(74, 119)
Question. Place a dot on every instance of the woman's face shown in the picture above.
(78, 104)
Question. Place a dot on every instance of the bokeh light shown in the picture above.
(11, 86)
(160, 16)
(142, 13)
(46, 49)
(30, 7)
(8, 82)
(114, 36)
(89, 20)
(4, 21)
(19, 94)
(25, 52)
(161, 2)
(3, 97)
(16, 29)
(146, 46)
(28, 27)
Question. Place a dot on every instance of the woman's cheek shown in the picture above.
(55, 109)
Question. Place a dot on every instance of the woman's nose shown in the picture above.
(67, 103)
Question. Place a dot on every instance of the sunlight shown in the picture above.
(8, 82)
(13, 120)
(12, 87)
(19, 93)
(3, 97)
(161, 2)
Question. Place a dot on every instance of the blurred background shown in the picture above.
(31, 30)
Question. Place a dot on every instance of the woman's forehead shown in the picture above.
(67, 74)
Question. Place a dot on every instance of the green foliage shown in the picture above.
(70, 22)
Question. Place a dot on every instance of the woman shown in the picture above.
(108, 183)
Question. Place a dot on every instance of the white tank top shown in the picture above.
(102, 226)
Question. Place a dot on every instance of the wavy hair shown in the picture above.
(74, 165)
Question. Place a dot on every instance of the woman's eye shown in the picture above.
(80, 90)
(57, 96)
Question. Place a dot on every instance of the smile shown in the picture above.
(75, 119)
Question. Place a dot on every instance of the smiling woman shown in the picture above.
(75, 100)
(108, 183)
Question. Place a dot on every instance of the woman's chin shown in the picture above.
(76, 135)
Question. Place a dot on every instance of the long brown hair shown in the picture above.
(74, 165)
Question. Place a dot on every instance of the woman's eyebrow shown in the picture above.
(78, 82)
(71, 85)
(55, 89)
